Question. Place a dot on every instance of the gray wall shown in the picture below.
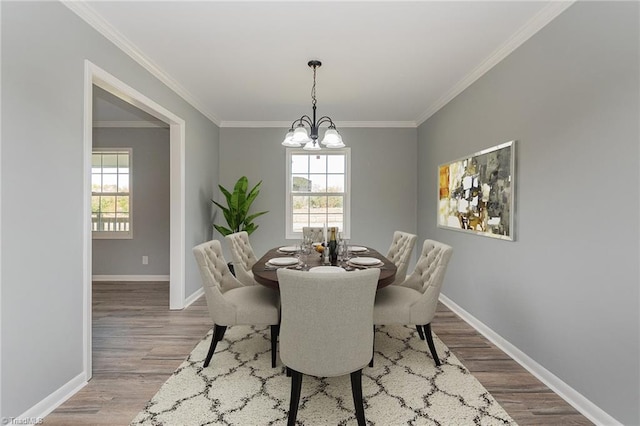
(44, 46)
(566, 291)
(383, 181)
(150, 204)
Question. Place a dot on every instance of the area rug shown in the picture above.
(240, 388)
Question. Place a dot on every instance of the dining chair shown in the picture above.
(313, 234)
(326, 329)
(232, 303)
(400, 253)
(243, 256)
(416, 299)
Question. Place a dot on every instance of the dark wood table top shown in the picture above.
(269, 277)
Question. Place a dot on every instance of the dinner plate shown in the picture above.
(365, 261)
(326, 269)
(355, 249)
(288, 249)
(283, 261)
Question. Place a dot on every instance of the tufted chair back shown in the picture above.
(316, 235)
(400, 253)
(216, 280)
(243, 257)
(326, 328)
(427, 278)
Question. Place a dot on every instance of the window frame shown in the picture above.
(115, 235)
(346, 232)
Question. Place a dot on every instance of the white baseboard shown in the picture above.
(566, 392)
(195, 296)
(118, 278)
(35, 414)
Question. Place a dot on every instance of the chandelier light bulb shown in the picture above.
(311, 146)
(288, 140)
(300, 135)
(339, 144)
(331, 137)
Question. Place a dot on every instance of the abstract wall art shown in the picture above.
(476, 193)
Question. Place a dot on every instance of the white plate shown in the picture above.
(326, 269)
(283, 261)
(357, 248)
(288, 249)
(365, 261)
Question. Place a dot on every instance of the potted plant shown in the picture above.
(236, 212)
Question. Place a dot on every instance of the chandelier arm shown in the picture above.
(325, 119)
(304, 119)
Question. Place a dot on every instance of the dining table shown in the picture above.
(266, 274)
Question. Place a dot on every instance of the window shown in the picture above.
(111, 193)
(318, 186)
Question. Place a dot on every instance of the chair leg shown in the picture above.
(432, 348)
(420, 332)
(356, 390)
(275, 331)
(296, 387)
(218, 334)
(373, 350)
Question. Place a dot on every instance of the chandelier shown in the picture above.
(298, 133)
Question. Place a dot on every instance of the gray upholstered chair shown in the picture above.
(243, 257)
(400, 253)
(416, 299)
(326, 328)
(315, 235)
(232, 303)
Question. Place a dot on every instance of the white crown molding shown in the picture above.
(535, 24)
(154, 124)
(285, 124)
(574, 398)
(91, 17)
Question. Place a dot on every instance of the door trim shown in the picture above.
(101, 78)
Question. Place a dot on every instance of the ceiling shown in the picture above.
(384, 63)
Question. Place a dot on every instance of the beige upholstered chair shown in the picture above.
(243, 257)
(326, 328)
(415, 300)
(230, 302)
(316, 235)
(400, 253)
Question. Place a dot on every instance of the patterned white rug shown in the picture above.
(240, 388)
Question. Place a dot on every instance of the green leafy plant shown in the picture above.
(237, 211)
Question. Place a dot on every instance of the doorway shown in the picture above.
(98, 77)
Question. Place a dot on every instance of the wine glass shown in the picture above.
(305, 250)
(299, 251)
(346, 255)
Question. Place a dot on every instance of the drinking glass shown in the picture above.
(305, 250)
(299, 251)
(346, 255)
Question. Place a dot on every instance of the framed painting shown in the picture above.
(476, 193)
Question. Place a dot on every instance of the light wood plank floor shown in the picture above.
(138, 343)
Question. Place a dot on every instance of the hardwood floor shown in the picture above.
(527, 400)
(138, 343)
